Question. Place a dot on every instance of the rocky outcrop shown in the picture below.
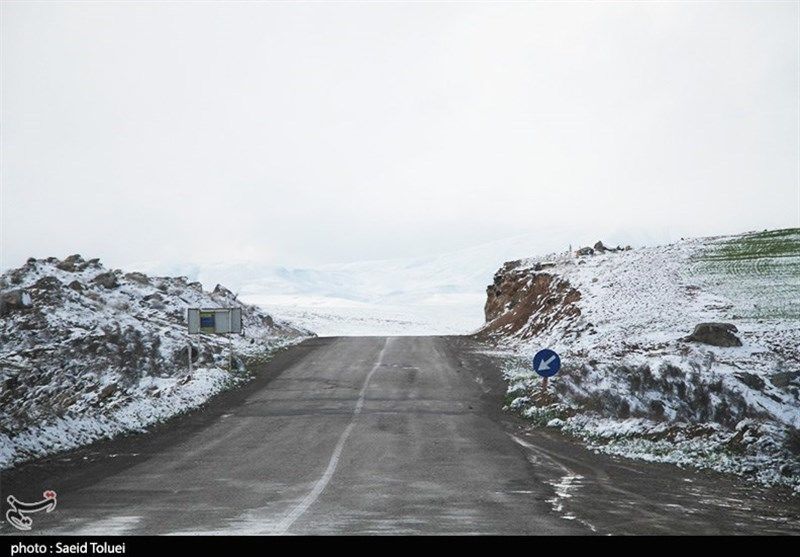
(598, 248)
(14, 300)
(76, 286)
(715, 334)
(79, 341)
(632, 381)
(524, 301)
(73, 263)
(220, 290)
(106, 280)
(136, 276)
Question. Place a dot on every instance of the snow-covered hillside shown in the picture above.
(87, 352)
(631, 383)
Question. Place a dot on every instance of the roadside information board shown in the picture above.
(217, 321)
(214, 321)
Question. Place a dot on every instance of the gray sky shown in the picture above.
(319, 133)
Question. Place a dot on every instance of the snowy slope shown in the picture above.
(630, 384)
(90, 353)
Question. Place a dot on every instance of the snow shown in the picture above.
(72, 431)
(421, 295)
(88, 361)
(337, 317)
(630, 386)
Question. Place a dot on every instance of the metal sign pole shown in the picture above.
(230, 342)
(189, 352)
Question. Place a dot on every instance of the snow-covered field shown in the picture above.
(630, 385)
(337, 317)
(425, 295)
(89, 353)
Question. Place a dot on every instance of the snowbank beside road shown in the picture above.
(152, 400)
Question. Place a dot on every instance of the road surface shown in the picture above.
(372, 435)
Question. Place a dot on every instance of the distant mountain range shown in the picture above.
(436, 294)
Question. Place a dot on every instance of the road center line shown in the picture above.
(322, 483)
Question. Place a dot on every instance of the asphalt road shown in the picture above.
(369, 435)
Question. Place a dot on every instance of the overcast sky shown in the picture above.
(303, 134)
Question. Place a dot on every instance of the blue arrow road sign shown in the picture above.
(546, 363)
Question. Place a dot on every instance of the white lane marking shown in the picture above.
(322, 483)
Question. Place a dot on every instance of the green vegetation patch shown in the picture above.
(759, 272)
(759, 245)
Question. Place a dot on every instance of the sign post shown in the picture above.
(215, 321)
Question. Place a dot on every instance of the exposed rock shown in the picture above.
(107, 391)
(72, 263)
(48, 283)
(784, 378)
(76, 286)
(524, 302)
(15, 276)
(14, 300)
(136, 276)
(584, 251)
(107, 279)
(195, 286)
(220, 290)
(90, 354)
(154, 300)
(600, 247)
(715, 334)
(790, 469)
(751, 380)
